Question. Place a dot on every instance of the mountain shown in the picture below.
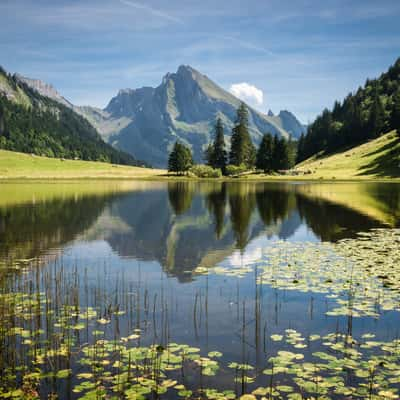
(146, 122)
(35, 119)
(287, 121)
(366, 114)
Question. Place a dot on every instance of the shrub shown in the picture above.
(232, 170)
(205, 171)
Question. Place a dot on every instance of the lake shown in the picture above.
(199, 290)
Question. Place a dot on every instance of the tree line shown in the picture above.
(366, 114)
(273, 154)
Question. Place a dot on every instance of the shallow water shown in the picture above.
(182, 262)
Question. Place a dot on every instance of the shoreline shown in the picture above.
(165, 178)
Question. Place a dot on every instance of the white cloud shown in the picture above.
(248, 93)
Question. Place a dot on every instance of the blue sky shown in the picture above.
(301, 55)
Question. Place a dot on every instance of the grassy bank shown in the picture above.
(15, 165)
(378, 159)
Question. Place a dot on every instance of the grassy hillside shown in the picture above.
(379, 158)
(15, 165)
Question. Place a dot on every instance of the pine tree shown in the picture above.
(180, 159)
(301, 149)
(280, 157)
(264, 153)
(376, 122)
(395, 113)
(220, 155)
(242, 148)
(2, 120)
(291, 152)
(209, 155)
(216, 154)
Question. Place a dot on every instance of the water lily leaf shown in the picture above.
(63, 373)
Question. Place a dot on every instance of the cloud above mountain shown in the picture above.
(248, 93)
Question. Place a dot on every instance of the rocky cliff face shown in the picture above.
(45, 89)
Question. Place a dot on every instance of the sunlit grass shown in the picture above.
(15, 165)
(379, 158)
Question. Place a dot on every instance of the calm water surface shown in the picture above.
(142, 249)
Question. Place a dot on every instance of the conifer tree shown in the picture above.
(209, 154)
(376, 122)
(395, 114)
(180, 159)
(264, 153)
(2, 120)
(216, 153)
(301, 149)
(242, 148)
(280, 158)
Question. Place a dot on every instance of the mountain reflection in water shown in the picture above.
(184, 225)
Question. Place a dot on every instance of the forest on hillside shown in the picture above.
(363, 115)
(47, 128)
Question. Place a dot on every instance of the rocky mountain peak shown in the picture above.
(186, 70)
(43, 88)
(291, 124)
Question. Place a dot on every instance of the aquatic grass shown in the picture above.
(350, 367)
(61, 335)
